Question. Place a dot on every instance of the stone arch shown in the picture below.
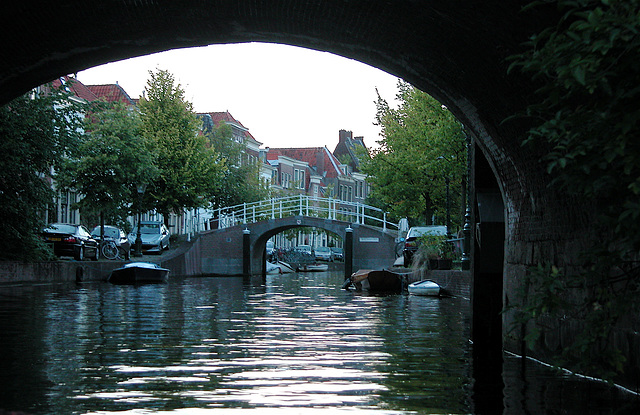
(455, 51)
(372, 248)
(258, 245)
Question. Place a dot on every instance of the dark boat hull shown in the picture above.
(379, 280)
(139, 275)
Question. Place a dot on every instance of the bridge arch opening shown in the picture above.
(454, 51)
(284, 248)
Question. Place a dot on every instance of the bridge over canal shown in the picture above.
(238, 245)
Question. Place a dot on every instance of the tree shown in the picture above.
(240, 179)
(37, 131)
(423, 147)
(113, 158)
(189, 170)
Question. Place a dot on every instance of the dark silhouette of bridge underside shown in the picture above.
(457, 51)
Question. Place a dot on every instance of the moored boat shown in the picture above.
(379, 280)
(279, 267)
(273, 268)
(313, 267)
(424, 287)
(285, 268)
(139, 273)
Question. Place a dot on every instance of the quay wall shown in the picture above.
(454, 282)
(56, 271)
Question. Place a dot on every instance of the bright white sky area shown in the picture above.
(286, 96)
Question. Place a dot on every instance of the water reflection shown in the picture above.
(292, 344)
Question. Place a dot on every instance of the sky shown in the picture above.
(286, 96)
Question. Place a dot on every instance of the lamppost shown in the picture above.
(446, 181)
(140, 188)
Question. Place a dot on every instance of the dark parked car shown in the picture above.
(412, 241)
(117, 235)
(155, 236)
(71, 240)
(338, 255)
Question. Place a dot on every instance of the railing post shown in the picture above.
(254, 213)
(300, 205)
(306, 198)
(273, 208)
(244, 212)
(384, 221)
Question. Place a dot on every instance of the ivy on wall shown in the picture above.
(588, 115)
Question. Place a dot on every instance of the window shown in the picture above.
(302, 179)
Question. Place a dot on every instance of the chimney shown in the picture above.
(344, 135)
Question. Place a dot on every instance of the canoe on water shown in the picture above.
(424, 287)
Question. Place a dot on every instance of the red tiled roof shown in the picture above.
(112, 93)
(318, 157)
(76, 87)
(218, 117)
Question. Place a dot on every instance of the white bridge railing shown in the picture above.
(303, 205)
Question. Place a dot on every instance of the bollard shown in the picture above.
(246, 252)
(348, 253)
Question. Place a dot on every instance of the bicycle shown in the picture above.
(110, 250)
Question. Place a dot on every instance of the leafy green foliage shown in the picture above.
(422, 146)
(588, 116)
(189, 170)
(432, 246)
(36, 133)
(113, 158)
(240, 180)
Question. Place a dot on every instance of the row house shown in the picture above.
(326, 175)
(239, 133)
(62, 207)
(314, 171)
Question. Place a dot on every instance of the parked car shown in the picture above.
(154, 234)
(71, 240)
(337, 253)
(412, 241)
(305, 249)
(117, 235)
(323, 253)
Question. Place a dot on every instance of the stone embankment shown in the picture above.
(63, 270)
(454, 282)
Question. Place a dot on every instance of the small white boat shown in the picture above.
(285, 268)
(424, 287)
(273, 268)
(279, 267)
(313, 267)
(139, 273)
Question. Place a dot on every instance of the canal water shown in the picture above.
(290, 344)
